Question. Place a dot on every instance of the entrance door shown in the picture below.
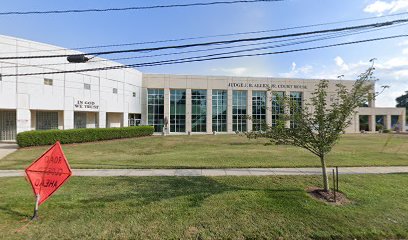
(8, 125)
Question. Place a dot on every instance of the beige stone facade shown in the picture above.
(250, 85)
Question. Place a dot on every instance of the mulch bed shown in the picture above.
(328, 197)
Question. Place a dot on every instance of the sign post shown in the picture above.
(47, 174)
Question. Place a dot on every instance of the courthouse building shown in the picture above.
(126, 97)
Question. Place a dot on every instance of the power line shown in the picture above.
(133, 8)
(206, 58)
(373, 25)
(218, 35)
(323, 37)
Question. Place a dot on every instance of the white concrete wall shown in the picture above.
(27, 93)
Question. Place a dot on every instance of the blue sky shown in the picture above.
(77, 30)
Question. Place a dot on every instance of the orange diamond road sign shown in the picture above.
(48, 173)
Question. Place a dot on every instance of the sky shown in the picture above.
(92, 29)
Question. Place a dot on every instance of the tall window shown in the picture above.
(277, 108)
(80, 119)
(178, 110)
(258, 110)
(198, 110)
(219, 110)
(239, 111)
(46, 120)
(296, 105)
(155, 109)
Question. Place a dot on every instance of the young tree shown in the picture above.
(318, 124)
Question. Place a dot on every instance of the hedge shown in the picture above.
(48, 137)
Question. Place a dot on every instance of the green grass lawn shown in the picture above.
(220, 151)
(207, 208)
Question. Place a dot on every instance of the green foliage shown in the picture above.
(386, 131)
(39, 138)
(320, 122)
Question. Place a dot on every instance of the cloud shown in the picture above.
(297, 72)
(392, 72)
(380, 7)
(340, 63)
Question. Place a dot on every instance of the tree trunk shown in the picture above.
(324, 173)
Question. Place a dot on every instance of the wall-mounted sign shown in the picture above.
(267, 85)
(84, 105)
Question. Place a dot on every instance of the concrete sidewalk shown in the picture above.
(219, 172)
(7, 148)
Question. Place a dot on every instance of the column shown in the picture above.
(387, 122)
(144, 106)
(209, 111)
(229, 111)
(102, 119)
(403, 121)
(287, 109)
(371, 123)
(167, 108)
(23, 117)
(125, 119)
(269, 108)
(188, 110)
(249, 110)
(23, 113)
(68, 119)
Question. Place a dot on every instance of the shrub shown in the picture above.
(386, 131)
(48, 137)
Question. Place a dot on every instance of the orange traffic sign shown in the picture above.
(48, 173)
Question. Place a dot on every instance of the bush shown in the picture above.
(386, 131)
(48, 137)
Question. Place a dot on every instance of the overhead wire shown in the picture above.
(373, 25)
(133, 8)
(208, 58)
(214, 36)
(334, 35)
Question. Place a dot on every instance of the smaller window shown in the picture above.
(48, 81)
(87, 86)
(115, 91)
(1, 77)
(134, 94)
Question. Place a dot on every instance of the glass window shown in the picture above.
(199, 110)
(134, 94)
(134, 119)
(46, 120)
(178, 110)
(219, 110)
(87, 86)
(239, 111)
(296, 105)
(258, 110)
(48, 81)
(80, 120)
(115, 90)
(155, 109)
(277, 108)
